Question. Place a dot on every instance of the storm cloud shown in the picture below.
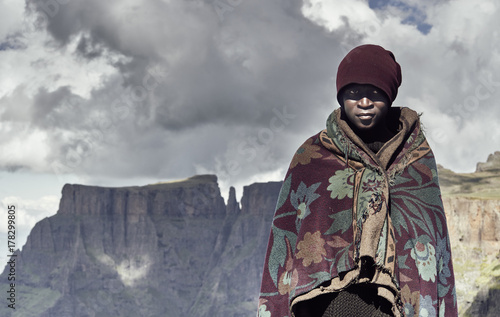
(168, 89)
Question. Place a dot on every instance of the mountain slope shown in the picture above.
(172, 249)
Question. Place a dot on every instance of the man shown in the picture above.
(359, 228)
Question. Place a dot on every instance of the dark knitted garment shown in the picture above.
(373, 138)
(358, 301)
(370, 64)
(355, 301)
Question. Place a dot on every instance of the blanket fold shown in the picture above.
(346, 215)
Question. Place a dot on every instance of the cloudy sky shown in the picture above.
(113, 93)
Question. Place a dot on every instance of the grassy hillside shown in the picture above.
(478, 185)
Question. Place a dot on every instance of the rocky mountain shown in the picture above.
(171, 249)
(177, 249)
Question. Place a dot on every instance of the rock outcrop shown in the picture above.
(491, 164)
(171, 249)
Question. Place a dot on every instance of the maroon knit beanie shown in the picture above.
(370, 64)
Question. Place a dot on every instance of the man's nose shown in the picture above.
(365, 102)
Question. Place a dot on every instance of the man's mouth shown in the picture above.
(365, 116)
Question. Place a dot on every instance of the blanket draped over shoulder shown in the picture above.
(342, 208)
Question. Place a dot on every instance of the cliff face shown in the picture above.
(472, 205)
(474, 228)
(171, 249)
(474, 223)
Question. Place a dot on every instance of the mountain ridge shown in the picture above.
(484, 183)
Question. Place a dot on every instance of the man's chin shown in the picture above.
(365, 125)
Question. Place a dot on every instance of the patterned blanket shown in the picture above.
(346, 215)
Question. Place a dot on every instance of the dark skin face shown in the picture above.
(365, 106)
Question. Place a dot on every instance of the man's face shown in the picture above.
(365, 106)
